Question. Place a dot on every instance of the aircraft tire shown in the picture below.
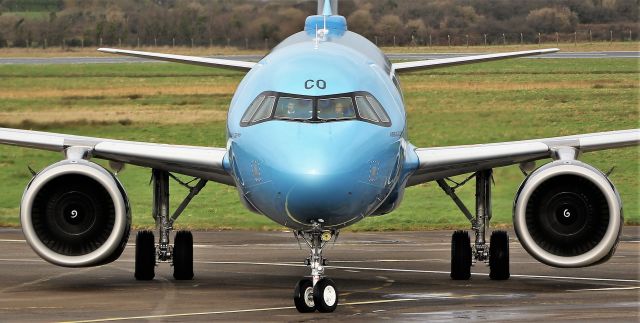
(499, 256)
(183, 256)
(303, 296)
(145, 256)
(460, 256)
(325, 295)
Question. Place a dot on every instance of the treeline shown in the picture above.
(257, 24)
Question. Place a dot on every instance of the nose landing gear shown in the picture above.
(316, 292)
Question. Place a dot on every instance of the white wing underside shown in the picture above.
(193, 60)
(201, 162)
(441, 162)
(444, 62)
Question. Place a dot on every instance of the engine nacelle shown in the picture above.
(76, 214)
(568, 214)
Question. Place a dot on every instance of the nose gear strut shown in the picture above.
(316, 292)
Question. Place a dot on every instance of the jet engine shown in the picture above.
(568, 214)
(75, 213)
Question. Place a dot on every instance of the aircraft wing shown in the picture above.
(441, 162)
(444, 62)
(201, 162)
(193, 60)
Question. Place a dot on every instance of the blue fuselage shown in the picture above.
(333, 173)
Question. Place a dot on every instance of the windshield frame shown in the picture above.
(314, 117)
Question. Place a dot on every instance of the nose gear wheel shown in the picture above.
(317, 292)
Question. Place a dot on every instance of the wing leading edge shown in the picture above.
(193, 60)
(441, 162)
(201, 162)
(444, 62)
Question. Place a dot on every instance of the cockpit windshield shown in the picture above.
(336, 109)
(294, 108)
(349, 106)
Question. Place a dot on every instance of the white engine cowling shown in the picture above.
(568, 214)
(76, 214)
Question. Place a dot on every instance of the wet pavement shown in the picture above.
(250, 276)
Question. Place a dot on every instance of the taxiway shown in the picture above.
(250, 276)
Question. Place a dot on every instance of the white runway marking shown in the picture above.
(150, 317)
(577, 278)
(350, 268)
(383, 301)
(385, 260)
(422, 271)
(286, 264)
(603, 289)
(22, 260)
(12, 240)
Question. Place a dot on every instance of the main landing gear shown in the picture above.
(180, 255)
(463, 253)
(316, 292)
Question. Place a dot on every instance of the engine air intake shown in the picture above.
(73, 215)
(76, 214)
(568, 214)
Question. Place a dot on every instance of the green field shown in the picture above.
(171, 103)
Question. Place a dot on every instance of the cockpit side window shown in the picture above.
(252, 109)
(365, 110)
(314, 109)
(260, 110)
(265, 109)
(377, 107)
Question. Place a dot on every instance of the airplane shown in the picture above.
(317, 141)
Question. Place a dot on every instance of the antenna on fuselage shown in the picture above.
(321, 34)
(327, 7)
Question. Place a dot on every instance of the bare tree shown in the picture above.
(390, 27)
(361, 22)
(416, 30)
(292, 21)
(243, 22)
(549, 20)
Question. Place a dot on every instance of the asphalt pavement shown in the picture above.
(250, 276)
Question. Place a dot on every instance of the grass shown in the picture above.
(58, 51)
(171, 103)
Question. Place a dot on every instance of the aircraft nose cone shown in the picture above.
(322, 197)
(325, 180)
